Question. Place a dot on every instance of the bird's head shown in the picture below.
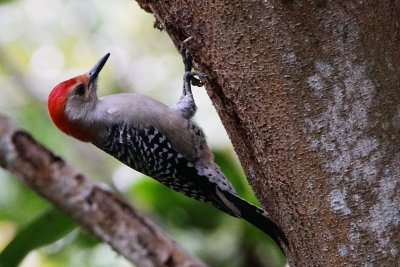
(71, 101)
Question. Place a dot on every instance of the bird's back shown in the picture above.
(156, 150)
(138, 111)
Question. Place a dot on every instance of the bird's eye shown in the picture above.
(79, 89)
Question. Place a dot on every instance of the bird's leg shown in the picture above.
(186, 105)
(188, 64)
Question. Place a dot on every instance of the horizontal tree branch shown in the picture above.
(103, 213)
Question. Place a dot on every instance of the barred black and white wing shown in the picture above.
(148, 151)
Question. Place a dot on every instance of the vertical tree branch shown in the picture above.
(308, 92)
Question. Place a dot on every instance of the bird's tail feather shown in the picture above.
(257, 217)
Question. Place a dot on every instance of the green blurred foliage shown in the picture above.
(46, 229)
(43, 42)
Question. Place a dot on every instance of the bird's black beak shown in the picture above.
(94, 72)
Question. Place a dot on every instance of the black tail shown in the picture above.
(258, 217)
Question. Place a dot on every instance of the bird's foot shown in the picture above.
(188, 63)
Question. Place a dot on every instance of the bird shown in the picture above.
(159, 141)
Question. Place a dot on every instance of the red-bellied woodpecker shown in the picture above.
(152, 138)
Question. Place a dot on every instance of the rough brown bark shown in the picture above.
(308, 92)
(104, 214)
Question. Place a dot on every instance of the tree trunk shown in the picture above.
(308, 92)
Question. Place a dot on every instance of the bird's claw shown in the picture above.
(196, 81)
(188, 63)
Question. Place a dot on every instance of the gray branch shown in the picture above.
(103, 213)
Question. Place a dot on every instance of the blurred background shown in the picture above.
(43, 42)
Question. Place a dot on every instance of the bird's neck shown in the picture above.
(71, 127)
(68, 123)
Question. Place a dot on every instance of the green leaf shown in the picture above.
(43, 230)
